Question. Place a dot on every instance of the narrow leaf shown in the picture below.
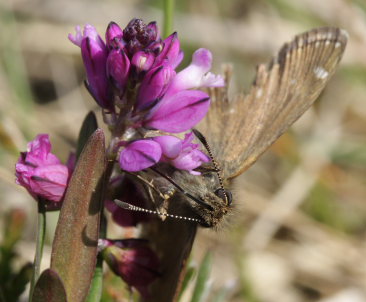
(191, 271)
(202, 282)
(87, 129)
(49, 288)
(74, 250)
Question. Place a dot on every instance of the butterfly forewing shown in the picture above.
(240, 130)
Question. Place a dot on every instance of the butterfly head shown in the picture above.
(217, 205)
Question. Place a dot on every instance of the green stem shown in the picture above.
(96, 287)
(41, 231)
(168, 17)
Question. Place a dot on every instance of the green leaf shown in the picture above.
(88, 127)
(202, 283)
(187, 279)
(74, 250)
(49, 288)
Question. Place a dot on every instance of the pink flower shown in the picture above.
(41, 172)
(181, 154)
(145, 153)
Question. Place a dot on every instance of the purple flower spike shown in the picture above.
(142, 61)
(179, 112)
(170, 54)
(118, 68)
(113, 36)
(41, 172)
(153, 86)
(196, 74)
(139, 155)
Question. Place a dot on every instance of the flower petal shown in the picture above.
(50, 181)
(179, 112)
(170, 52)
(196, 74)
(171, 146)
(139, 155)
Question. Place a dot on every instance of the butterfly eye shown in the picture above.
(225, 195)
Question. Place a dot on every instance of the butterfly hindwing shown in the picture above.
(241, 129)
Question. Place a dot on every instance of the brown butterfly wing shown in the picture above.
(240, 130)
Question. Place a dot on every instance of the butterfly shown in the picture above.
(238, 131)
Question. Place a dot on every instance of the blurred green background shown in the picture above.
(299, 230)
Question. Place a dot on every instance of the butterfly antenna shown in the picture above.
(130, 207)
(168, 178)
(204, 142)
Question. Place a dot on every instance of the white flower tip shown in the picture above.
(77, 38)
(212, 80)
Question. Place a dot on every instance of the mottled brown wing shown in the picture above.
(241, 129)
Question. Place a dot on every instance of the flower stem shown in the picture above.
(168, 17)
(41, 231)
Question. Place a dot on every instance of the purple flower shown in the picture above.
(118, 68)
(133, 261)
(94, 53)
(139, 155)
(41, 172)
(145, 153)
(181, 154)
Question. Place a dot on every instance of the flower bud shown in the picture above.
(136, 264)
(94, 53)
(113, 36)
(118, 68)
(153, 31)
(138, 36)
(41, 172)
(170, 52)
(153, 86)
(142, 61)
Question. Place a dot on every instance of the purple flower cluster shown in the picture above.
(132, 76)
(150, 109)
